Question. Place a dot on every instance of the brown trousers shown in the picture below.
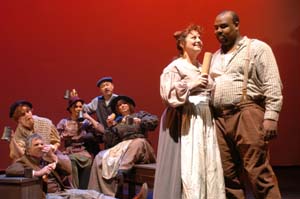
(244, 153)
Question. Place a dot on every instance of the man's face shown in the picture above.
(106, 88)
(36, 149)
(225, 30)
(26, 119)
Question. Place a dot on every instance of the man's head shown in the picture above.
(122, 105)
(34, 145)
(105, 84)
(227, 28)
(21, 112)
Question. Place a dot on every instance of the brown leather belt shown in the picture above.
(226, 110)
(234, 108)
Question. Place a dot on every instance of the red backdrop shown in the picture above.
(49, 46)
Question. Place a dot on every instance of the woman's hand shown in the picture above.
(137, 120)
(200, 82)
(87, 116)
(111, 120)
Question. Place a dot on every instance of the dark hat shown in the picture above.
(16, 104)
(73, 100)
(104, 79)
(115, 100)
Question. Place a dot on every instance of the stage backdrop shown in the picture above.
(47, 47)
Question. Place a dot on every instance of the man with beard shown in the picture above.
(27, 124)
(247, 101)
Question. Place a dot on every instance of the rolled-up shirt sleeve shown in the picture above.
(91, 107)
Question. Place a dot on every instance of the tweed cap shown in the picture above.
(104, 79)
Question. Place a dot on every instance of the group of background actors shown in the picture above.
(67, 156)
(214, 130)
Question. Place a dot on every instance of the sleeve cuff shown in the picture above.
(271, 115)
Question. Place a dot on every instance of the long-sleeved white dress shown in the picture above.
(197, 151)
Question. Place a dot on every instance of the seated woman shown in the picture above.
(73, 131)
(126, 135)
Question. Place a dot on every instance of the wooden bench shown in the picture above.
(20, 187)
(139, 174)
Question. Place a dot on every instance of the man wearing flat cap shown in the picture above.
(101, 104)
(27, 124)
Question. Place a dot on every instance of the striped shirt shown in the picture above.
(263, 77)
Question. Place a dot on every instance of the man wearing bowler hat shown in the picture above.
(101, 104)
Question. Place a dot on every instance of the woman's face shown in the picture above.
(76, 108)
(123, 107)
(193, 43)
(26, 119)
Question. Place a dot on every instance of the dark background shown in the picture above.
(47, 47)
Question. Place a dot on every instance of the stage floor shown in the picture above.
(288, 178)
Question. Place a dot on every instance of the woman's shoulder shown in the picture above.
(63, 121)
(173, 66)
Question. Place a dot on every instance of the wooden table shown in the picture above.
(20, 188)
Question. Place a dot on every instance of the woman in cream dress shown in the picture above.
(188, 162)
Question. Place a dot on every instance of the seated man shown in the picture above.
(126, 135)
(38, 163)
(28, 124)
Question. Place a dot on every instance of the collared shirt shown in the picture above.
(101, 107)
(264, 81)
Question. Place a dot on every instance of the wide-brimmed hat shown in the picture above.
(104, 79)
(115, 100)
(73, 100)
(16, 104)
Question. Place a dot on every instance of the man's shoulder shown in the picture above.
(41, 119)
(259, 43)
(101, 97)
